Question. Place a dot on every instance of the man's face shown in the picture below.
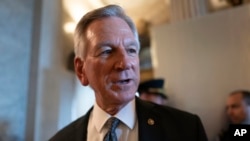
(236, 108)
(111, 65)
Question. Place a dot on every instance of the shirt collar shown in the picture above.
(126, 115)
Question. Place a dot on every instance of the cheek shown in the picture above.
(136, 61)
(99, 68)
(239, 112)
(93, 68)
(136, 64)
(243, 112)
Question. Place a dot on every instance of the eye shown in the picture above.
(132, 50)
(106, 52)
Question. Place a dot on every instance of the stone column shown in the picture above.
(54, 83)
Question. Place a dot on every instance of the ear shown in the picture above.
(80, 71)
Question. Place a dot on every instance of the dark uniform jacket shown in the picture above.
(168, 124)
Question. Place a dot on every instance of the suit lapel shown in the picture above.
(81, 128)
(85, 127)
(152, 126)
(149, 127)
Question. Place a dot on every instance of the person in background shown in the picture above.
(107, 59)
(238, 107)
(237, 110)
(235, 2)
(153, 91)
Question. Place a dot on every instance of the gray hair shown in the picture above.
(103, 12)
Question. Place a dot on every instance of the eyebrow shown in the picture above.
(107, 43)
(133, 43)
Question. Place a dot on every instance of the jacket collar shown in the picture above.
(152, 125)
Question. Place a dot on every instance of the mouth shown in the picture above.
(124, 81)
(123, 85)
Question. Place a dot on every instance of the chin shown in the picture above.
(125, 98)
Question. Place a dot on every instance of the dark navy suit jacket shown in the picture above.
(169, 125)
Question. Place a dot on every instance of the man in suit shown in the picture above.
(238, 107)
(237, 111)
(107, 48)
(152, 90)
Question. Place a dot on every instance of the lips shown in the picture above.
(122, 85)
(123, 81)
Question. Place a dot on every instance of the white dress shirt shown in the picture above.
(127, 130)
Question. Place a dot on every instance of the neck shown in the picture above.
(112, 109)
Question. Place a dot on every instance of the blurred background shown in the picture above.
(200, 47)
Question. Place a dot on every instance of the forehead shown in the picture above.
(112, 25)
(235, 98)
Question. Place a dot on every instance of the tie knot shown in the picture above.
(113, 123)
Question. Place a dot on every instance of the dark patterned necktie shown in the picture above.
(112, 124)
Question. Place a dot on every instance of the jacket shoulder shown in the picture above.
(163, 110)
(174, 112)
(70, 131)
(75, 131)
(173, 122)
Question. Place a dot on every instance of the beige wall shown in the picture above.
(203, 60)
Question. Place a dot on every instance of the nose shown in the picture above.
(123, 61)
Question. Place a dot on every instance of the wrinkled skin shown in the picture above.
(111, 64)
